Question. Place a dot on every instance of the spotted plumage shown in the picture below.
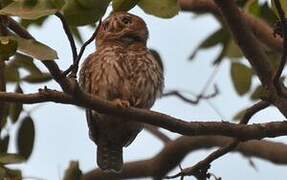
(122, 70)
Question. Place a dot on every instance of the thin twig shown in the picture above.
(74, 68)
(69, 35)
(157, 133)
(200, 169)
(178, 94)
(283, 23)
(18, 29)
(174, 152)
(210, 79)
(202, 95)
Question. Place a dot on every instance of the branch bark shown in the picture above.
(174, 152)
(184, 127)
(260, 28)
(247, 42)
(200, 169)
(253, 51)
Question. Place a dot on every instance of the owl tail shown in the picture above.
(110, 158)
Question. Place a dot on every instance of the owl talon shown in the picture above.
(121, 103)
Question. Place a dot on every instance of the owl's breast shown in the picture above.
(116, 72)
(146, 78)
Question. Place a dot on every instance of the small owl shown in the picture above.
(123, 71)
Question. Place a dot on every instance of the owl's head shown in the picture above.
(122, 27)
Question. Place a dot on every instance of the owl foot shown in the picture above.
(121, 103)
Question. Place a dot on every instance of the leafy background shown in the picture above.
(40, 134)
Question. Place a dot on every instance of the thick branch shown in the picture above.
(200, 169)
(250, 46)
(276, 79)
(175, 151)
(184, 127)
(260, 28)
(252, 50)
(51, 65)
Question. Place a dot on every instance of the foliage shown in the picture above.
(240, 73)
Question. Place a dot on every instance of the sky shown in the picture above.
(61, 130)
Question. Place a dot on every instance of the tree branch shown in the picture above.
(200, 169)
(69, 35)
(184, 127)
(260, 28)
(253, 51)
(178, 94)
(250, 46)
(283, 23)
(174, 152)
(157, 133)
(75, 66)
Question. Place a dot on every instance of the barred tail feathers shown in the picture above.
(110, 158)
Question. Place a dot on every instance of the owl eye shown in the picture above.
(126, 20)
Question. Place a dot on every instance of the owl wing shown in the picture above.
(102, 74)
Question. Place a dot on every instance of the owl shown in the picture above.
(123, 71)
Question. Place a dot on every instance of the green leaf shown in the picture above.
(238, 116)
(124, 5)
(11, 73)
(58, 3)
(16, 108)
(26, 137)
(37, 78)
(267, 14)
(25, 62)
(160, 8)
(73, 172)
(233, 50)
(33, 48)
(241, 77)
(76, 32)
(3, 119)
(83, 12)
(30, 3)
(8, 48)
(253, 7)
(283, 5)
(218, 37)
(20, 9)
(6, 2)
(258, 93)
(37, 22)
(4, 142)
(11, 159)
